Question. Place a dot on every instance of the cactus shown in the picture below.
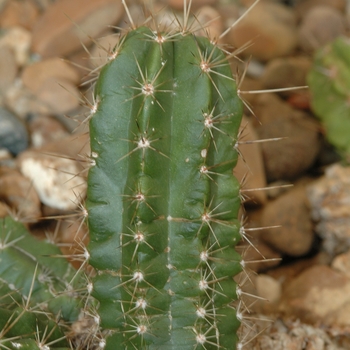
(162, 200)
(35, 290)
(329, 82)
(162, 212)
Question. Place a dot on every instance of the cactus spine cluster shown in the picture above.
(162, 208)
(162, 200)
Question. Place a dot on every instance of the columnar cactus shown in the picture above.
(162, 210)
(329, 82)
(162, 200)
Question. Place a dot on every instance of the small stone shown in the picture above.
(8, 68)
(179, 4)
(45, 129)
(4, 209)
(211, 21)
(13, 134)
(60, 95)
(316, 294)
(295, 235)
(302, 7)
(268, 288)
(102, 48)
(22, 13)
(35, 75)
(260, 26)
(55, 179)
(18, 39)
(286, 72)
(288, 158)
(341, 263)
(67, 24)
(330, 207)
(250, 167)
(18, 192)
(320, 26)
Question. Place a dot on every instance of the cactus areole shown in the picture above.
(162, 200)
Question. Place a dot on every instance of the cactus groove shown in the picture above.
(162, 200)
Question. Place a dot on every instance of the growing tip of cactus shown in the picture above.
(162, 209)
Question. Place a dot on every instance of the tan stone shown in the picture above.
(250, 167)
(290, 211)
(320, 26)
(8, 68)
(21, 13)
(35, 75)
(19, 193)
(316, 294)
(260, 27)
(66, 24)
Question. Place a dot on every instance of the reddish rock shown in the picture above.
(260, 26)
(57, 33)
(290, 211)
(211, 21)
(320, 26)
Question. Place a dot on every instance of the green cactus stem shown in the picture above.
(162, 201)
(329, 82)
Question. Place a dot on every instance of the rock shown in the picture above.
(288, 158)
(341, 263)
(59, 95)
(295, 236)
(250, 168)
(270, 290)
(18, 39)
(23, 102)
(4, 209)
(260, 26)
(102, 48)
(66, 24)
(302, 7)
(292, 335)
(22, 13)
(35, 75)
(320, 26)
(13, 133)
(8, 68)
(211, 21)
(57, 179)
(286, 72)
(329, 198)
(44, 129)
(179, 4)
(316, 294)
(18, 192)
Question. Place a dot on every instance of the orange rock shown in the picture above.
(66, 24)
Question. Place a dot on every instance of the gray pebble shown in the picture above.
(13, 133)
